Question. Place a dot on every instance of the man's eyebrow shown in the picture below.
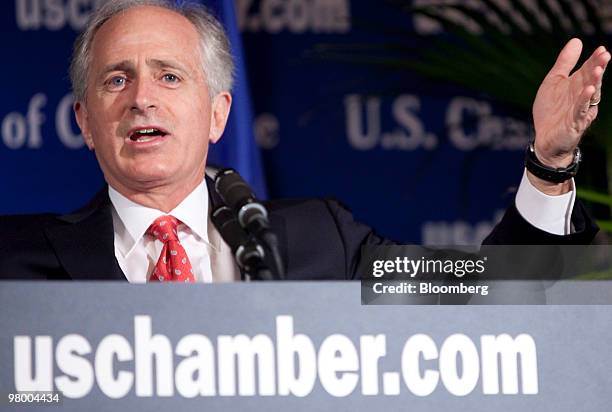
(167, 64)
(122, 66)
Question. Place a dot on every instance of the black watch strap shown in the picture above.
(550, 174)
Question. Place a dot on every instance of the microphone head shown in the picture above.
(227, 224)
(234, 191)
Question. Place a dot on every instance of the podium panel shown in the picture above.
(292, 346)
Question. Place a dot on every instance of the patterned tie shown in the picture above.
(173, 264)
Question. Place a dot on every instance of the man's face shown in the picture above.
(147, 112)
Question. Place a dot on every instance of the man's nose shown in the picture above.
(143, 95)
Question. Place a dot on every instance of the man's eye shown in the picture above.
(170, 78)
(116, 81)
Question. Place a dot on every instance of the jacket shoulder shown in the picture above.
(14, 227)
(24, 247)
(323, 240)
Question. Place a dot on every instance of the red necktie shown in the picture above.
(173, 264)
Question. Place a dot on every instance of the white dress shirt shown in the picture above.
(552, 214)
(137, 254)
(212, 259)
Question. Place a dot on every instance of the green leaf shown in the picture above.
(604, 275)
(595, 197)
(605, 225)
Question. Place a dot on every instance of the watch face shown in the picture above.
(577, 156)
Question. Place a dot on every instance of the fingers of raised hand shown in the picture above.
(586, 107)
(567, 59)
(600, 57)
(592, 70)
(591, 75)
(597, 77)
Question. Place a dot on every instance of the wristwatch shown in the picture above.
(551, 174)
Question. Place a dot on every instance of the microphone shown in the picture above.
(237, 194)
(252, 215)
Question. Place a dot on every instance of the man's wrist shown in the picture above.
(547, 177)
(559, 160)
(550, 188)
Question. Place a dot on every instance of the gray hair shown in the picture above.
(217, 60)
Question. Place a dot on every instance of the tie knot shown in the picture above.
(164, 228)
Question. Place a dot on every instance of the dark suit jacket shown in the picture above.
(318, 240)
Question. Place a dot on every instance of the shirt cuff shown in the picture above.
(552, 214)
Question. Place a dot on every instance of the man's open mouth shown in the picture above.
(146, 134)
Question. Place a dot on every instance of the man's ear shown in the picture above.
(82, 118)
(221, 104)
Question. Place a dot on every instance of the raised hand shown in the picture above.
(566, 105)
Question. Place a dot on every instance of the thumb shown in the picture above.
(567, 59)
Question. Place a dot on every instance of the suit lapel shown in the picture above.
(84, 241)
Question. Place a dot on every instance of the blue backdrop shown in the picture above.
(418, 160)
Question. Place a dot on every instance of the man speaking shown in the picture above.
(152, 84)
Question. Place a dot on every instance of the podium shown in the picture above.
(298, 346)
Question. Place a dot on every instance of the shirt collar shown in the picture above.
(136, 219)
